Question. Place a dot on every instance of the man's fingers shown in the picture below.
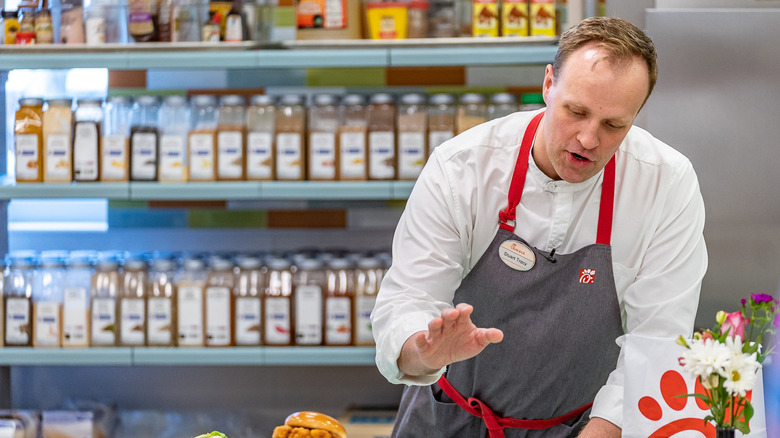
(490, 336)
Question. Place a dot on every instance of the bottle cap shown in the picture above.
(146, 100)
(381, 98)
(413, 99)
(310, 264)
(232, 100)
(60, 102)
(325, 99)
(174, 100)
(472, 98)
(353, 99)
(503, 98)
(291, 99)
(204, 100)
(442, 99)
(262, 99)
(31, 101)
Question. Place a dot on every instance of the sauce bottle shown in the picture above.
(161, 303)
(353, 155)
(236, 28)
(115, 153)
(28, 137)
(86, 140)
(44, 31)
(249, 290)
(381, 137)
(26, 34)
(485, 21)
(57, 130)
(339, 302)
(290, 127)
(142, 20)
(323, 126)
(220, 285)
(202, 138)
(10, 26)
(165, 24)
(75, 310)
(441, 120)
(309, 281)
(47, 302)
(185, 21)
(71, 21)
(105, 292)
(17, 301)
(143, 139)
(501, 104)
(277, 303)
(412, 125)
(174, 120)
(132, 302)
(190, 284)
(260, 126)
(368, 277)
(471, 112)
(230, 138)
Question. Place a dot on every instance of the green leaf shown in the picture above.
(212, 434)
(701, 396)
(742, 427)
(748, 412)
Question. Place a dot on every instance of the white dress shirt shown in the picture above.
(658, 251)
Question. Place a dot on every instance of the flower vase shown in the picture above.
(724, 432)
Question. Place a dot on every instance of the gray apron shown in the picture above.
(560, 317)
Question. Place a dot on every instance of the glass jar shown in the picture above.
(190, 285)
(186, 22)
(277, 303)
(290, 128)
(48, 300)
(471, 112)
(10, 26)
(44, 31)
(353, 156)
(412, 125)
(202, 138)
(106, 283)
(381, 137)
(501, 104)
(220, 286)
(323, 126)
(17, 301)
(161, 302)
(260, 126)
(442, 19)
(339, 302)
(249, 290)
(114, 158)
(418, 19)
(75, 310)
(28, 140)
(231, 124)
(368, 277)
(57, 131)
(174, 123)
(144, 137)
(441, 120)
(132, 302)
(310, 282)
(86, 139)
(95, 17)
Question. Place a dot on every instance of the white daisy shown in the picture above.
(705, 357)
(740, 374)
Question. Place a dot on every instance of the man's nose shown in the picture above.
(589, 135)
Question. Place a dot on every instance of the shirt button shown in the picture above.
(551, 186)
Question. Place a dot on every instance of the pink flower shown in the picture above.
(762, 298)
(735, 324)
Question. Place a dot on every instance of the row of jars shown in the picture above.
(312, 298)
(351, 137)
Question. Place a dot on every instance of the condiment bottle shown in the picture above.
(75, 310)
(10, 26)
(249, 290)
(28, 137)
(236, 29)
(57, 131)
(174, 121)
(220, 285)
(339, 302)
(412, 125)
(141, 14)
(290, 127)
(501, 104)
(418, 19)
(441, 120)
(368, 277)
(202, 138)
(165, 24)
(47, 301)
(26, 34)
(353, 154)
(309, 281)
(71, 22)
(106, 283)
(471, 112)
(132, 302)
(514, 18)
(17, 301)
(161, 303)
(381, 137)
(277, 303)
(323, 126)
(485, 19)
(186, 21)
(231, 124)
(86, 140)
(442, 19)
(190, 283)
(115, 154)
(44, 31)
(261, 127)
(143, 139)
(95, 22)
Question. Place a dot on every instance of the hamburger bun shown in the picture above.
(316, 420)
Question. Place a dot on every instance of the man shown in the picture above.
(531, 244)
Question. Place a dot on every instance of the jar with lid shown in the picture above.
(185, 20)
(144, 139)
(48, 299)
(161, 302)
(17, 300)
(10, 26)
(417, 17)
(412, 125)
(26, 34)
(441, 120)
(353, 155)
(514, 17)
(76, 286)
(339, 302)
(86, 139)
(174, 123)
(471, 112)
(71, 22)
(28, 139)
(231, 124)
(190, 285)
(202, 138)
(323, 126)
(95, 18)
(57, 130)
(114, 157)
(260, 126)
(310, 282)
(132, 301)
(220, 287)
(290, 128)
(442, 19)
(532, 102)
(106, 283)
(44, 31)
(381, 137)
(368, 277)
(277, 303)
(249, 290)
(501, 104)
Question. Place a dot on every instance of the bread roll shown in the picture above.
(316, 420)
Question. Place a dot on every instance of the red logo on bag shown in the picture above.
(587, 276)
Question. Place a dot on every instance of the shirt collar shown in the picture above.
(552, 185)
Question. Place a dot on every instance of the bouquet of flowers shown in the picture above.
(726, 359)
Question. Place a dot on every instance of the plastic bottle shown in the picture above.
(17, 301)
(368, 277)
(144, 139)
(441, 120)
(115, 154)
(106, 283)
(95, 22)
(57, 132)
(471, 112)
(48, 301)
(202, 138)
(132, 302)
(260, 126)
(28, 138)
(174, 121)
(236, 29)
(248, 301)
(412, 126)
(220, 288)
(501, 104)
(161, 303)
(190, 285)
(76, 302)
(290, 128)
(277, 303)
(71, 22)
(353, 154)
(310, 282)
(339, 302)
(86, 140)
(323, 127)
(381, 137)
(231, 125)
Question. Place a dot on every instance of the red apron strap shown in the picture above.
(604, 233)
(518, 178)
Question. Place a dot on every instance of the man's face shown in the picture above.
(590, 108)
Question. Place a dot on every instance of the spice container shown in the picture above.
(95, 20)
(387, 20)
(10, 26)
(174, 121)
(412, 124)
(353, 154)
(114, 157)
(28, 138)
(323, 126)
(185, 16)
(143, 139)
(339, 302)
(132, 302)
(26, 34)
(368, 277)
(471, 112)
(381, 137)
(220, 285)
(71, 23)
(249, 291)
(161, 303)
(277, 303)
(17, 301)
(75, 310)
(485, 19)
(514, 18)
(44, 31)
(542, 20)
(290, 128)
(442, 19)
(47, 301)
(202, 138)
(501, 104)
(441, 120)
(310, 282)
(142, 16)
(86, 140)
(231, 123)
(57, 129)
(190, 285)
(260, 126)
(106, 283)
(418, 19)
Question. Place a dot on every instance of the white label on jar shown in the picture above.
(308, 315)
(381, 162)
(201, 156)
(277, 321)
(58, 156)
(103, 321)
(364, 307)
(217, 316)
(322, 153)
(436, 138)
(74, 316)
(27, 157)
(338, 321)
(172, 155)
(190, 315)
(247, 321)
(353, 155)
(17, 321)
(231, 154)
(95, 30)
(133, 318)
(289, 163)
(259, 159)
(47, 324)
(160, 321)
(411, 154)
(114, 164)
(85, 151)
(144, 156)
(233, 28)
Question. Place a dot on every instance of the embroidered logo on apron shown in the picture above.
(516, 255)
(587, 276)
